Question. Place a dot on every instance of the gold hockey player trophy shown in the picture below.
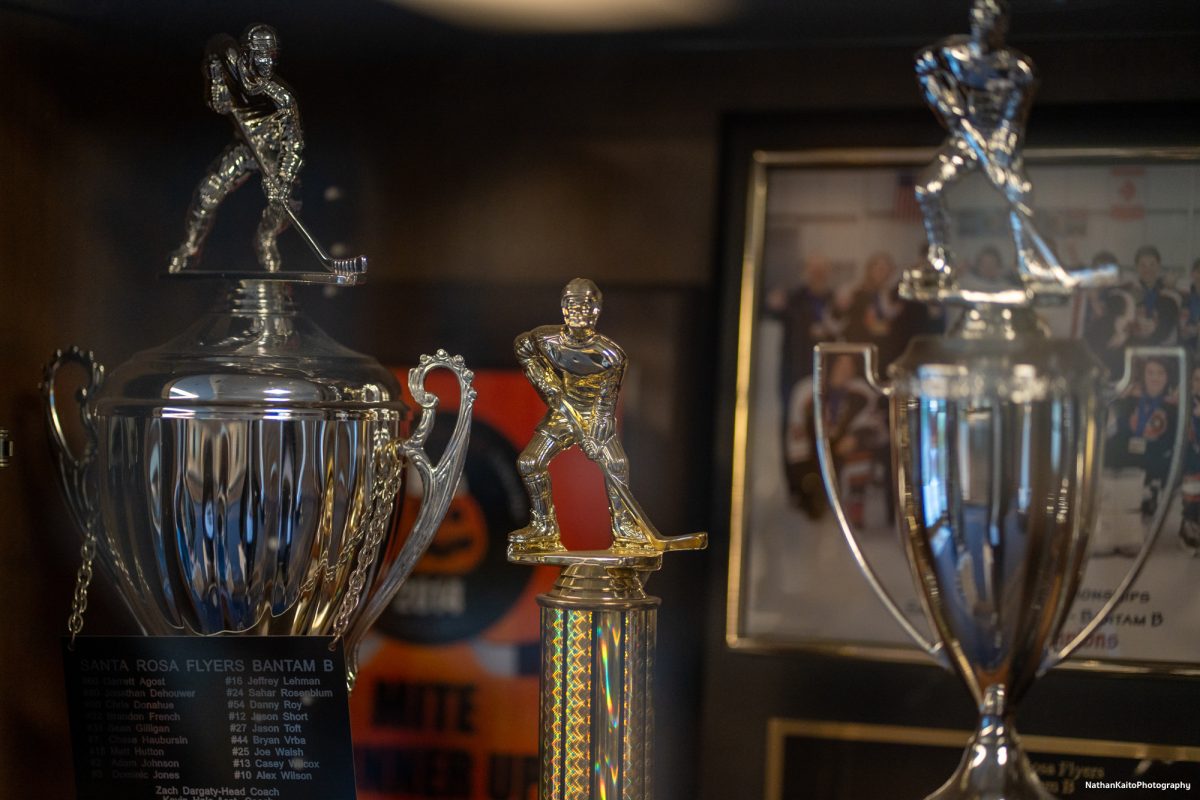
(598, 624)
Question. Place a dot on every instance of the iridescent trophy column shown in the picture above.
(598, 623)
(998, 429)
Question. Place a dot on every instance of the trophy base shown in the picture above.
(597, 710)
(991, 780)
(994, 766)
(608, 559)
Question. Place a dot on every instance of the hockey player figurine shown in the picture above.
(981, 92)
(578, 372)
(242, 84)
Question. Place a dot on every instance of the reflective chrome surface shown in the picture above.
(998, 438)
(249, 518)
(997, 472)
(994, 766)
(981, 91)
(242, 85)
(233, 476)
(998, 430)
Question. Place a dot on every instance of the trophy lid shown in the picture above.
(254, 350)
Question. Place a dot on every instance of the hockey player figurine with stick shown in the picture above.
(242, 84)
(577, 372)
(981, 92)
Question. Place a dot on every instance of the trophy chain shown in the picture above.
(230, 401)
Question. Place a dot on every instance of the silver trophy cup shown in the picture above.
(997, 439)
(241, 478)
(998, 431)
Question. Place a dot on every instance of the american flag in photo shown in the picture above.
(904, 199)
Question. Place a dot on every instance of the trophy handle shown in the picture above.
(438, 482)
(869, 357)
(74, 470)
(1178, 355)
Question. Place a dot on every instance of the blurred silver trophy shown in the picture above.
(242, 477)
(998, 430)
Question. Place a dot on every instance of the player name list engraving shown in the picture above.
(156, 717)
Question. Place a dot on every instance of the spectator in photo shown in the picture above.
(872, 310)
(1189, 316)
(1108, 316)
(875, 313)
(1189, 486)
(1156, 304)
(989, 268)
(854, 428)
(1141, 442)
(988, 265)
(809, 317)
(1142, 429)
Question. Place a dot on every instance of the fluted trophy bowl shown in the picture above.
(240, 479)
(997, 435)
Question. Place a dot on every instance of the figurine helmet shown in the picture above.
(261, 39)
(580, 303)
(582, 287)
(989, 17)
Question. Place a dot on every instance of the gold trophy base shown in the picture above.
(597, 719)
(608, 559)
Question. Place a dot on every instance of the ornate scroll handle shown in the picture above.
(869, 358)
(74, 472)
(438, 482)
(1183, 411)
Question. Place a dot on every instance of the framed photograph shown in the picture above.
(828, 233)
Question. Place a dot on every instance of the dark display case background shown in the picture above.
(479, 174)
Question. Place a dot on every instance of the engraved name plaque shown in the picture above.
(203, 717)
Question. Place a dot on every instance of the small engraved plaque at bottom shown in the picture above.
(209, 717)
